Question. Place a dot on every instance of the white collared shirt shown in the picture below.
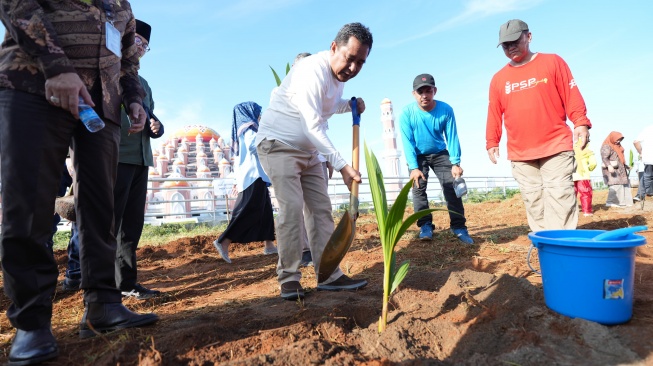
(300, 108)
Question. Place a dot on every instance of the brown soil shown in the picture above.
(459, 305)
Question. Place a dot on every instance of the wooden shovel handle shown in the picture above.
(355, 153)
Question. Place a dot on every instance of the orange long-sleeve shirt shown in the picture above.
(533, 101)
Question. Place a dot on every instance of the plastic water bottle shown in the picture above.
(89, 117)
(460, 187)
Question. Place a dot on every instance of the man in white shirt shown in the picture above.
(644, 145)
(292, 133)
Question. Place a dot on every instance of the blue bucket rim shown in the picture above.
(562, 238)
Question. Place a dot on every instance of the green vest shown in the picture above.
(135, 148)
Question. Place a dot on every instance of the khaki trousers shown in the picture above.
(547, 190)
(298, 181)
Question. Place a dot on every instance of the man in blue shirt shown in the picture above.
(430, 138)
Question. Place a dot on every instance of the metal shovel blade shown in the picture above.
(337, 246)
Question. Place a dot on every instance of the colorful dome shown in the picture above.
(192, 131)
(201, 153)
(163, 158)
(155, 152)
(386, 101)
(183, 148)
(153, 171)
(204, 169)
(178, 162)
(175, 183)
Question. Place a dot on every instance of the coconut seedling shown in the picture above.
(391, 228)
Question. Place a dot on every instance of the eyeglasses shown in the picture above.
(141, 43)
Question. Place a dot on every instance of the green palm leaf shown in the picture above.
(399, 275)
(276, 77)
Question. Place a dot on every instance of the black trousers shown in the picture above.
(442, 168)
(130, 193)
(34, 142)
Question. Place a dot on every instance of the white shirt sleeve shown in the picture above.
(308, 101)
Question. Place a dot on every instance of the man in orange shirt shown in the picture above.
(533, 95)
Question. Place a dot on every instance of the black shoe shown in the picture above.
(140, 292)
(109, 317)
(307, 259)
(292, 290)
(71, 284)
(343, 283)
(33, 346)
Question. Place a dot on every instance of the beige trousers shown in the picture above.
(298, 181)
(547, 190)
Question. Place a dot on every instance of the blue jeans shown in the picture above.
(640, 188)
(648, 180)
(441, 166)
(74, 271)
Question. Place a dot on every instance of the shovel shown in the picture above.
(343, 235)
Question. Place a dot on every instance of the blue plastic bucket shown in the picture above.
(589, 274)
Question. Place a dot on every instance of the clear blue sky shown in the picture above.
(209, 55)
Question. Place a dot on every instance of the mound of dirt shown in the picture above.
(459, 305)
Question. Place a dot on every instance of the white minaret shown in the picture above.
(391, 155)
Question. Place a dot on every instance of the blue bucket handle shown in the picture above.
(618, 233)
(528, 260)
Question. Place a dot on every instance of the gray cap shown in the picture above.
(511, 30)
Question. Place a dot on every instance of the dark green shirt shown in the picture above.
(135, 148)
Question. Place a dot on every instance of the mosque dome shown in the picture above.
(192, 131)
(175, 183)
(386, 101)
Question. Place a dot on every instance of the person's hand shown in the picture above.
(456, 171)
(155, 126)
(610, 169)
(64, 90)
(330, 168)
(137, 116)
(234, 191)
(360, 105)
(416, 175)
(493, 154)
(349, 175)
(582, 132)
